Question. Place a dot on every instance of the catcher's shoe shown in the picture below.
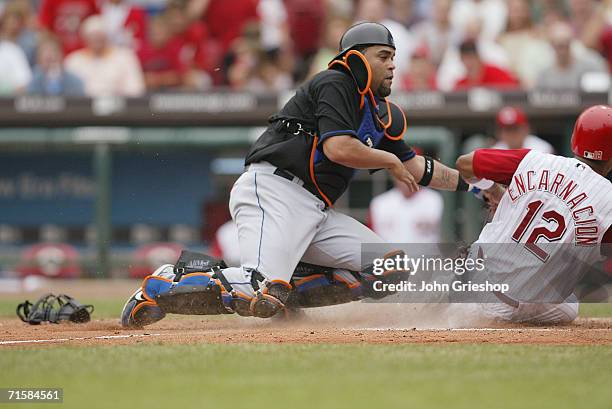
(271, 300)
(138, 311)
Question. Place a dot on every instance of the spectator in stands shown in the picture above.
(63, 18)
(492, 13)
(224, 19)
(481, 74)
(269, 74)
(198, 55)
(152, 7)
(421, 75)
(376, 10)
(305, 19)
(490, 52)
(18, 27)
(274, 28)
(527, 51)
(127, 24)
(340, 8)
(549, 12)
(335, 26)
(15, 73)
(581, 14)
(404, 12)
(512, 132)
(49, 76)
(105, 70)
(415, 216)
(597, 34)
(436, 33)
(569, 65)
(240, 63)
(160, 58)
(249, 66)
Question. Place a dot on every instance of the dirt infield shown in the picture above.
(14, 333)
(354, 323)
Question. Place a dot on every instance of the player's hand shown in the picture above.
(492, 196)
(399, 172)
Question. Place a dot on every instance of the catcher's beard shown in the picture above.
(382, 91)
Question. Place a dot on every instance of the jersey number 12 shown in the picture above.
(550, 235)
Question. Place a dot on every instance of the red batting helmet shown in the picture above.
(592, 137)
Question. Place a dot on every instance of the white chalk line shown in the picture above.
(472, 329)
(42, 341)
(441, 330)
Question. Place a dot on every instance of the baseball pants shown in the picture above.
(532, 313)
(280, 223)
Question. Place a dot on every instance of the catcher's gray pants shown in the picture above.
(280, 223)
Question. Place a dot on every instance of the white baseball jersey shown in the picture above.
(416, 219)
(548, 226)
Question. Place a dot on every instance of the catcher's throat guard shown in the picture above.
(389, 116)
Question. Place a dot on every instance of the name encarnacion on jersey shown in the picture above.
(568, 191)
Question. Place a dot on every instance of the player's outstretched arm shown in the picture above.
(430, 172)
(491, 192)
(348, 151)
(465, 166)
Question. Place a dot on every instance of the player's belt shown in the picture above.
(269, 168)
(284, 174)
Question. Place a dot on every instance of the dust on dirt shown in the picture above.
(372, 323)
(239, 330)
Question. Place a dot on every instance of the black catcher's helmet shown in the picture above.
(366, 33)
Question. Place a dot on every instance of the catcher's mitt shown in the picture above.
(54, 309)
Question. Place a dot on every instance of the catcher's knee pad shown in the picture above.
(160, 294)
(241, 303)
(194, 293)
(331, 287)
(269, 296)
(271, 299)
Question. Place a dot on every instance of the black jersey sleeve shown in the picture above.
(336, 106)
(398, 148)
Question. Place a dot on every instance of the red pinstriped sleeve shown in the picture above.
(497, 165)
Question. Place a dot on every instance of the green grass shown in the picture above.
(317, 376)
(313, 376)
(601, 310)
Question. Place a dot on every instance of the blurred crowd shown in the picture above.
(131, 47)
